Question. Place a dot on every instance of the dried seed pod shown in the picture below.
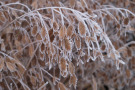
(24, 24)
(73, 80)
(20, 68)
(62, 32)
(128, 73)
(126, 21)
(82, 29)
(55, 25)
(33, 80)
(83, 3)
(72, 3)
(42, 48)
(18, 45)
(108, 17)
(67, 44)
(41, 63)
(31, 50)
(25, 39)
(51, 35)
(34, 31)
(38, 37)
(34, 4)
(70, 31)
(103, 47)
(63, 64)
(118, 26)
(43, 32)
(52, 49)
(41, 55)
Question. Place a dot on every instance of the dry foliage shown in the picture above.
(67, 44)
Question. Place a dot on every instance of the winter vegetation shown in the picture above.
(67, 45)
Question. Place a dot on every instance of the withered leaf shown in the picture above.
(82, 29)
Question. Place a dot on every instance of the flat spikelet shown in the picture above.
(72, 3)
(43, 32)
(126, 21)
(67, 44)
(71, 68)
(38, 37)
(11, 66)
(70, 31)
(2, 17)
(34, 31)
(55, 25)
(31, 50)
(77, 42)
(82, 29)
(63, 67)
(73, 80)
(63, 64)
(62, 32)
